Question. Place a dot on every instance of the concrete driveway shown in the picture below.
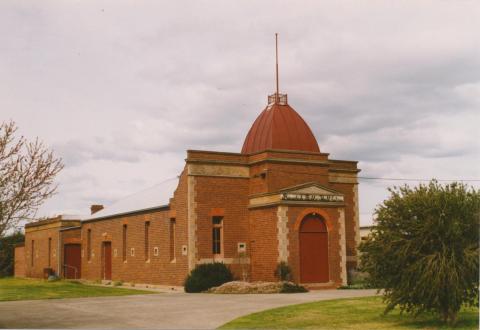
(155, 311)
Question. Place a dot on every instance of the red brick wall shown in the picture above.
(334, 248)
(19, 263)
(71, 236)
(287, 175)
(282, 175)
(263, 222)
(264, 243)
(179, 210)
(40, 251)
(158, 269)
(229, 196)
(216, 155)
(214, 195)
(350, 226)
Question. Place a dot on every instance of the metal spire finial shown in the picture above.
(277, 98)
(277, 95)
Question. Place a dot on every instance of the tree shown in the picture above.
(424, 250)
(27, 173)
(7, 248)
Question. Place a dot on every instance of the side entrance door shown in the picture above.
(72, 261)
(107, 260)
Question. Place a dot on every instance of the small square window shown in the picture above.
(132, 252)
(155, 251)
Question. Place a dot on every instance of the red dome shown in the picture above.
(279, 127)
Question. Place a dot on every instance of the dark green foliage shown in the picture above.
(283, 271)
(289, 287)
(7, 251)
(206, 276)
(424, 250)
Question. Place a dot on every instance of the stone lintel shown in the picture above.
(342, 178)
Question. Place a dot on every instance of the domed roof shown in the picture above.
(279, 127)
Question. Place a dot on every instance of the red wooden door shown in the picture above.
(72, 262)
(313, 239)
(107, 260)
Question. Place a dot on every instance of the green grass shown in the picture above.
(358, 313)
(27, 289)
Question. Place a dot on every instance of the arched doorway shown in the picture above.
(313, 239)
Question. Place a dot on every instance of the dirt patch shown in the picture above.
(257, 287)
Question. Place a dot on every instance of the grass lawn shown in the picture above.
(26, 289)
(358, 313)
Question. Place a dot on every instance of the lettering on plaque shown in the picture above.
(312, 197)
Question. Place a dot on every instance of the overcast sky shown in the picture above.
(121, 89)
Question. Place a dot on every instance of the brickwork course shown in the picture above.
(243, 209)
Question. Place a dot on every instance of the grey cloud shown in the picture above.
(121, 90)
(75, 152)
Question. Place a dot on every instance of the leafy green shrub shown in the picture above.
(283, 271)
(206, 276)
(289, 287)
(424, 250)
(118, 283)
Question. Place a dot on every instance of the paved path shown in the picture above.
(155, 311)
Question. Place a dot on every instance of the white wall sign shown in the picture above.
(312, 197)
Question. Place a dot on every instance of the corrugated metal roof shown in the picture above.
(150, 198)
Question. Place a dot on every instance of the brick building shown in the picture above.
(279, 199)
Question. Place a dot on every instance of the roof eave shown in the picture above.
(128, 213)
